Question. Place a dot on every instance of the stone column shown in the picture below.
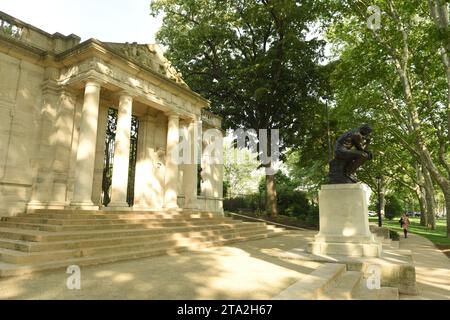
(146, 180)
(100, 156)
(82, 198)
(121, 164)
(171, 176)
(212, 167)
(218, 188)
(207, 174)
(190, 172)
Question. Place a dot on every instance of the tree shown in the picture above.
(393, 207)
(241, 178)
(440, 13)
(399, 68)
(251, 59)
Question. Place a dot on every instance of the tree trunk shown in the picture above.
(382, 196)
(271, 199)
(420, 192)
(447, 211)
(441, 180)
(440, 14)
(431, 200)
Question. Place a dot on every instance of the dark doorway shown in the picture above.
(111, 128)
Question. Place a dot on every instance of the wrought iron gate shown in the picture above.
(111, 128)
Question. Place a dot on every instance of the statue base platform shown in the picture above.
(344, 223)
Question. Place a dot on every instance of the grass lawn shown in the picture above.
(438, 236)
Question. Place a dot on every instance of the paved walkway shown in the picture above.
(432, 268)
(250, 270)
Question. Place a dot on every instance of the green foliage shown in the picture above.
(393, 79)
(291, 201)
(241, 176)
(244, 203)
(394, 235)
(226, 187)
(250, 58)
(393, 207)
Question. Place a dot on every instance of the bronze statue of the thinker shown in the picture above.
(350, 153)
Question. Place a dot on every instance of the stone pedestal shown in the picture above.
(344, 223)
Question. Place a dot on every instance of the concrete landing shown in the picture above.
(254, 270)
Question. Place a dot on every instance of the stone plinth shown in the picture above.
(344, 223)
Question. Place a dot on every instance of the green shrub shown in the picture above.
(293, 204)
(394, 235)
(313, 216)
(393, 207)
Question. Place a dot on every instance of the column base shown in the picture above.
(118, 206)
(191, 205)
(82, 206)
(372, 250)
(171, 207)
(192, 208)
(39, 205)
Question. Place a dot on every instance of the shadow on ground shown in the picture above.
(242, 271)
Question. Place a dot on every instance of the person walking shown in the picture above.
(405, 224)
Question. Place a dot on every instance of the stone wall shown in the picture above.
(20, 116)
(35, 37)
(42, 85)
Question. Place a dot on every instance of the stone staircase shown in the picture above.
(52, 239)
(332, 281)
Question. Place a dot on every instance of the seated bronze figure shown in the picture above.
(350, 153)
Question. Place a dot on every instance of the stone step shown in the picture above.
(131, 225)
(120, 215)
(26, 246)
(18, 257)
(107, 211)
(312, 286)
(344, 288)
(67, 222)
(42, 236)
(7, 269)
(384, 293)
(95, 226)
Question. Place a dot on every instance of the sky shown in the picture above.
(105, 20)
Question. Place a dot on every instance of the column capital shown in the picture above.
(125, 94)
(92, 82)
(172, 114)
(193, 118)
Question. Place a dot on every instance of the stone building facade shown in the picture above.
(55, 93)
